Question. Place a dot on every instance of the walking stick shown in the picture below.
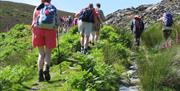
(57, 37)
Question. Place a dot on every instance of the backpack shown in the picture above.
(87, 15)
(47, 17)
(138, 25)
(168, 19)
(101, 14)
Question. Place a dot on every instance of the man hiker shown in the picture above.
(96, 28)
(167, 20)
(87, 17)
(137, 27)
(44, 26)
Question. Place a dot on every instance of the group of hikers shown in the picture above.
(66, 22)
(45, 26)
(89, 20)
(137, 27)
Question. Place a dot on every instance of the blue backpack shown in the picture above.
(87, 15)
(168, 19)
(47, 18)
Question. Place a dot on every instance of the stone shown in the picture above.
(122, 17)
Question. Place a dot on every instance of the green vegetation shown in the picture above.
(17, 13)
(156, 65)
(100, 70)
(70, 70)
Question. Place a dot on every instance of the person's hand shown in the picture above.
(32, 26)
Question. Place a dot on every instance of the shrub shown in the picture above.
(153, 68)
(152, 37)
(68, 44)
(116, 53)
(16, 44)
(14, 74)
(115, 36)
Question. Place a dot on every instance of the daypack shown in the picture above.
(87, 15)
(100, 12)
(168, 19)
(47, 18)
(138, 25)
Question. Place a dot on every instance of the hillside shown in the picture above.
(150, 13)
(17, 13)
(112, 64)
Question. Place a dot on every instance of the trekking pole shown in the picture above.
(57, 36)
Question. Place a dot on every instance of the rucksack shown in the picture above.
(138, 25)
(87, 15)
(168, 19)
(101, 14)
(47, 18)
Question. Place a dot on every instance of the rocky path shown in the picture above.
(130, 81)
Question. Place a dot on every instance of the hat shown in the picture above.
(137, 17)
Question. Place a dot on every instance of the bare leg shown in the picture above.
(41, 57)
(82, 40)
(41, 63)
(47, 63)
(97, 35)
(86, 42)
(47, 58)
(93, 36)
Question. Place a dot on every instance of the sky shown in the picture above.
(108, 6)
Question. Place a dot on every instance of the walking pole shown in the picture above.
(57, 37)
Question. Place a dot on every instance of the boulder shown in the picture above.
(151, 13)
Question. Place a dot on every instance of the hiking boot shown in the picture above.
(92, 43)
(46, 74)
(41, 77)
(82, 50)
(86, 51)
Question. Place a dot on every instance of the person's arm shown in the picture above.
(57, 21)
(142, 25)
(103, 18)
(77, 15)
(132, 25)
(34, 18)
(160, 19)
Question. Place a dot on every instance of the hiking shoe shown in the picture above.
(82, 50)
(85, 51)
(93, 43)
(41, 77)
(46, 74)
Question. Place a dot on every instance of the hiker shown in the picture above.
(100, 20)
(75, 21)
(69, 21)
(44, 26)
(137, 27)
(87, 17)
(167, 20)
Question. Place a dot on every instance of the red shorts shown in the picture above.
(43, 37)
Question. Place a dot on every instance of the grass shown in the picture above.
(17, 13)
(76, 72)
(153, 35)
(98, 71)
(155, 67)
